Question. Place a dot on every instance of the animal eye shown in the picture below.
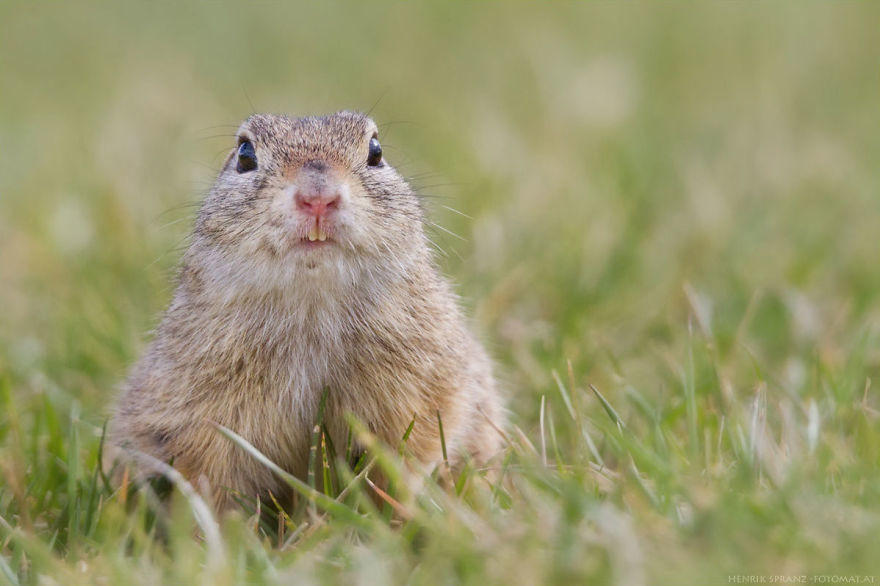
(374, 158)
(247, 157)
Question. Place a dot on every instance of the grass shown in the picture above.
(668, 220)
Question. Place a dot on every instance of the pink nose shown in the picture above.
(316, 203)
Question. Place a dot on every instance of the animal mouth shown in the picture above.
(317, 232)
(317, 236)
(307, 244)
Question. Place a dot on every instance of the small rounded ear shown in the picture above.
(228, 159)
(372, 129)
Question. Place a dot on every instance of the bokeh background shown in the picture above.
(611, 183)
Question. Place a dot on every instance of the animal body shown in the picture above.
(308, 269)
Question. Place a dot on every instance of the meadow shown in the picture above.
(664, 221)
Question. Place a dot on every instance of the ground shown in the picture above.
(663, 220)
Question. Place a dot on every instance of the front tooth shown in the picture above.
(322, 236)
(313, 233)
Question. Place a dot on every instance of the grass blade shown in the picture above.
(543, 436)
(442, 439)
(73, 471)
(7, 572)
(330, 505)
(566, 398)
(609, 409)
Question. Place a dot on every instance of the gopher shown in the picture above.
(308, 272)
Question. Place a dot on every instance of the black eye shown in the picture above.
(247, 157)
(374, 159)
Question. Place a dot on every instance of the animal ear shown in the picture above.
(228, 160)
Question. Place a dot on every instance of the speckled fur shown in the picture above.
(258, 328)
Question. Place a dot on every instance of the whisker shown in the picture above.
(450, 232)
(437, 246)
(173, 222)
(435, 196)
(433, 185)
(188, 205)
(175, 249)
(217, 126)
(216, 136)
(395, 123)
(459, 212)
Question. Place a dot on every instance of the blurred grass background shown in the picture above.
(678, 204)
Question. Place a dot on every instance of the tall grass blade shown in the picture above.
(566, 398)
(442, 439)
(320, 499)
(609, 409)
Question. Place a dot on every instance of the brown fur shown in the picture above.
(258, 328)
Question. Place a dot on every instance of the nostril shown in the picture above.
(301, 202)
(316, 204)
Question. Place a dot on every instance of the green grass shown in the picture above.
(669, 223)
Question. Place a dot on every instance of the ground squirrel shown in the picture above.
(308, 269)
